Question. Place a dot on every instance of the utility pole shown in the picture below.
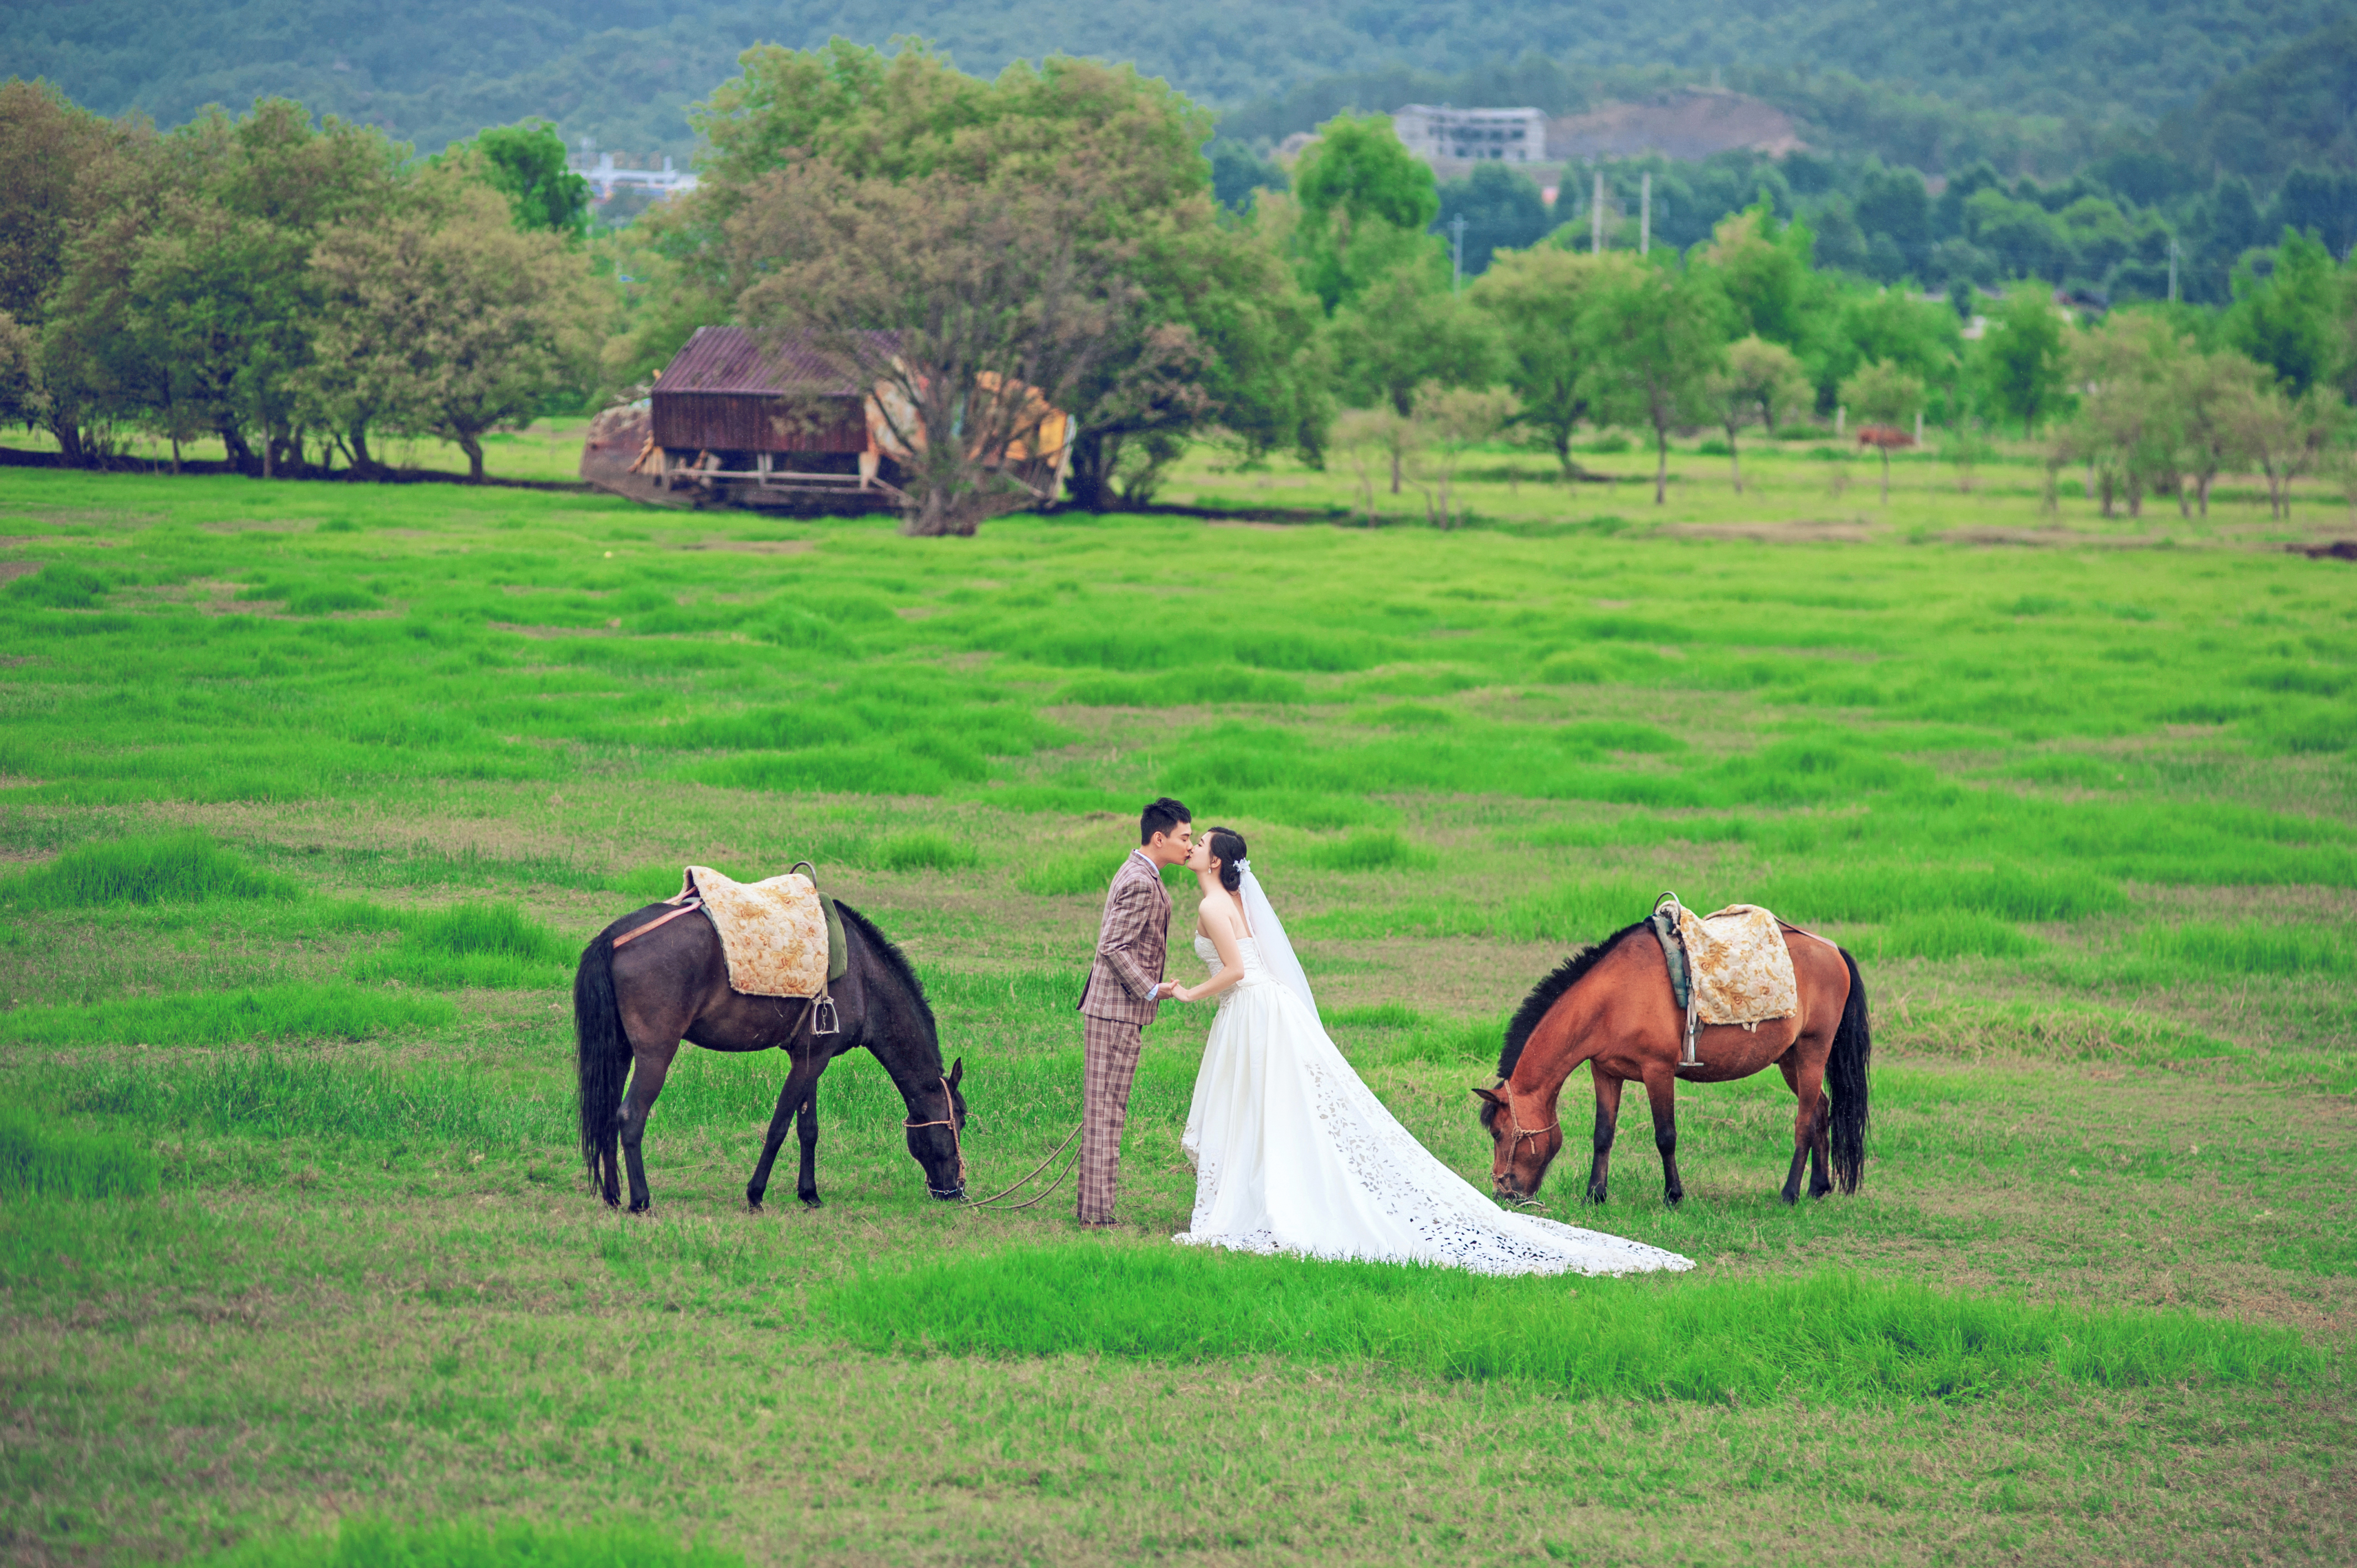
(1457, 254)
(1596, 216)
(2172, 269)
(1645, 214)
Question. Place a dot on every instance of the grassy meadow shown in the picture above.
(309, 794)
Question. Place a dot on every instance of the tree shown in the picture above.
(2021, 359)
(1407, 332)
(1453, 421)
(965, 304)
(2128, 426)
(2288, 321)
(449, 320)
(2282, 436)
(527, 164)
(23, 399)
(1759, 380)
(1502, 211)
(1655, 338)
(1534, 299)
(1883, 394)
(1366, 204)
(2209, 391)
(1763, 267)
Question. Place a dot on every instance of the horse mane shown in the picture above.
(1548, 992)
(893, 959)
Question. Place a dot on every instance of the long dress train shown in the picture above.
(1294, 1154)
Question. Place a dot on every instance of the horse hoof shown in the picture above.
(812, 1203)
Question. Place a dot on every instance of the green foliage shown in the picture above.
(1366, 204)
(40, 1158)
(1851, 1340)
(472, 943)
(527, 164)
(2019, 366)
(163, 868)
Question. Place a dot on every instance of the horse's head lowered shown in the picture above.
(936, 1129)
(1525, 1143)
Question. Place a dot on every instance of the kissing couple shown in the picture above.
(1292, 1152)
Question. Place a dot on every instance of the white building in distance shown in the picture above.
(1472, 136)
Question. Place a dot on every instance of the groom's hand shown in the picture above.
(1167, 989)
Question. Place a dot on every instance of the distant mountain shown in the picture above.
(2298, 106)
(625, 70)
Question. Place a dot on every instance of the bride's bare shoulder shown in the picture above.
(1219, 904)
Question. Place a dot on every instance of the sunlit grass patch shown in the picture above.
(1948, 933)
(1373, 849)
(924, 850)
(2253, 947)
(41, 1159)
(293, 1010)
(1843, 1338)
(161, 868)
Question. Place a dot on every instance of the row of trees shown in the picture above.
(296, 289)
(982, 247)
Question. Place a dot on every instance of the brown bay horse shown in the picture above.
(1611, 1007)
(632, 1009)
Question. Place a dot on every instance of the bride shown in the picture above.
(1294, 1154)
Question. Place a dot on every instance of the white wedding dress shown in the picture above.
(1294, 1154)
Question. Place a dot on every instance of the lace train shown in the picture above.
(1295, 1153)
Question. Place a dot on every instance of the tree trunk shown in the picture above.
(70, 445)
(2202, 493)
(2104, 488)
(355, 443)
(1660, 465)
(1395, 470)
(1089, 477)
(240, 456)
(472, 445)
(1886, 475)
(1734, 460)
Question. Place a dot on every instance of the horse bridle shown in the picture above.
(956, 1143)
(1514, 1125)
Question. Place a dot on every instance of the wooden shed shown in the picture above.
(786, 427)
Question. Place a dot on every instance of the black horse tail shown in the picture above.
(1845, 1074)
(601, 1061)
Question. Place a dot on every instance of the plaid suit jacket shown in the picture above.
(1131, 945)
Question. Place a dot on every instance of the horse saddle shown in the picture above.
(781, 935)
(1731, 967)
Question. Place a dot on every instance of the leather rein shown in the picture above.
(958, 1142)
(1518, 1132)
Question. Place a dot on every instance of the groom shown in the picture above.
(1125, 983)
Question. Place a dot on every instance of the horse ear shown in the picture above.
(1485, 1094)
(957, 1071)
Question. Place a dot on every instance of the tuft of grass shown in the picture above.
(161, 868)
(40, 1159)
(293, 1011)
(473, 943)
(1843, 1339)
(1074, 871)
(924, 850)
(1369, 850)
(59, 586)
(1950, 933)
(375, 1543)
(2251, 948)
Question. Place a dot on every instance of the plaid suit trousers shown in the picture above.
(1109, 1061)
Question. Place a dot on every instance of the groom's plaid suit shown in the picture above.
(1118, 1003)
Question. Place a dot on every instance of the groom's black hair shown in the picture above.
(1160, 817)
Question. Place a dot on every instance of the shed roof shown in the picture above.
(727, 359)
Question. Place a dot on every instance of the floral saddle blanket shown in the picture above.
(781, 935)
(1734, 963)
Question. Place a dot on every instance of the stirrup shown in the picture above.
(1690, 1057)
(824, 1019)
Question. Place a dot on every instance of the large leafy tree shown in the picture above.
(1534, 299)
(1655, 338)
(1193, 320)
(1366, 204)
(2289, 320)
(444, 319)
(1407, 334)
(2022, 360)
(527, 164)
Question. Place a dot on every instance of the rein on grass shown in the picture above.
(958, 1143)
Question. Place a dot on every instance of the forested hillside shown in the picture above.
(625, 70)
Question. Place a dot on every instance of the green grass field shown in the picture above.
(309, 794)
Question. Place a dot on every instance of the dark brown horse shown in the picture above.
(632, 1008)
(1609, 1005)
